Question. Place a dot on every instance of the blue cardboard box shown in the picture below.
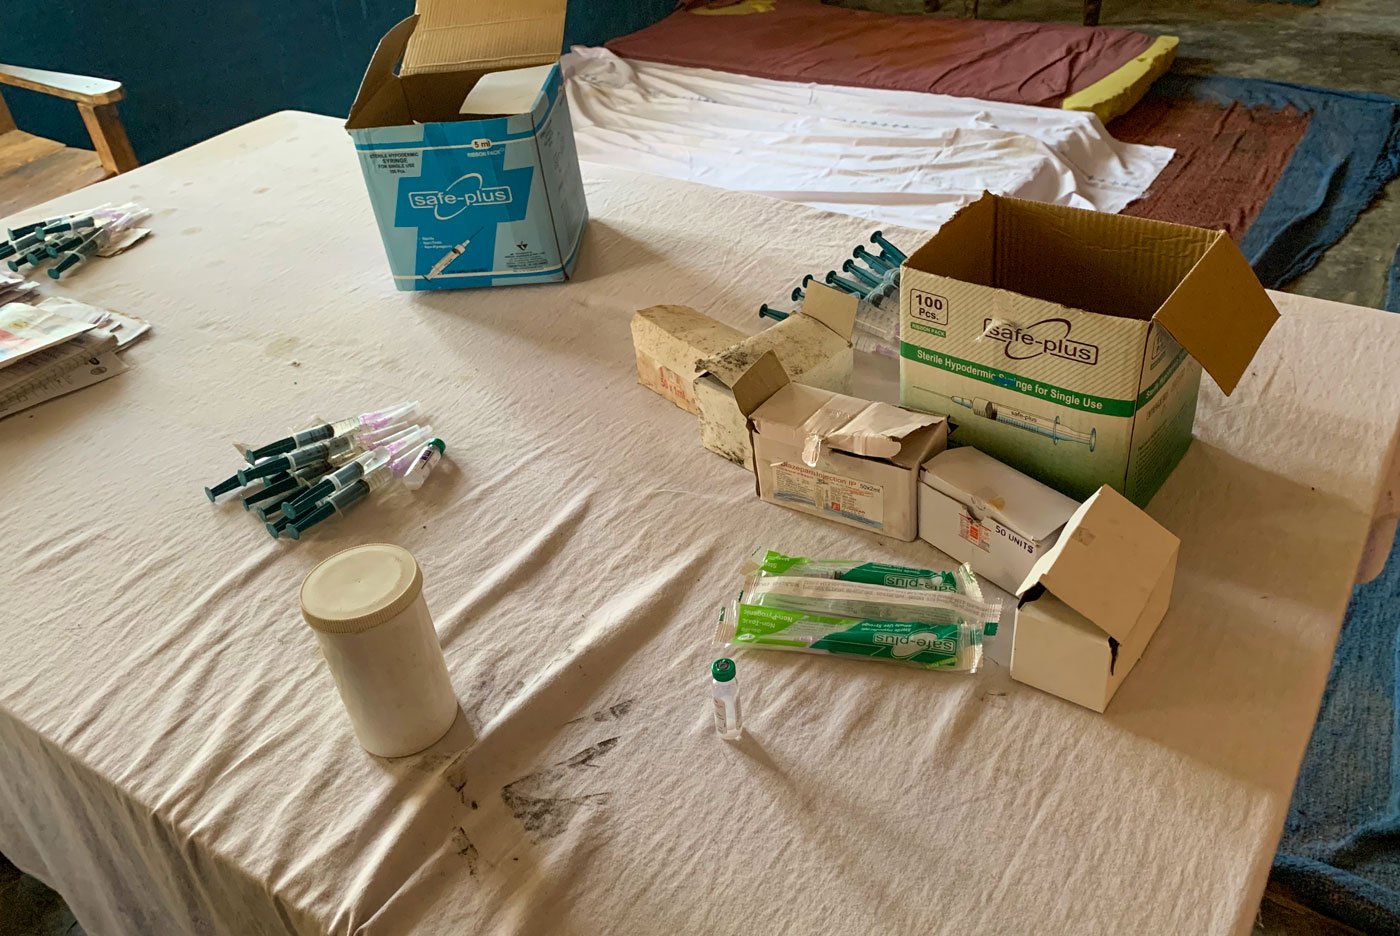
(471, 200)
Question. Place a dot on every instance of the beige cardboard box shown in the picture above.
(1093, 601)
(670, 341)
(1066, 342)
(836, 456)
(988, 514)
(814, 348)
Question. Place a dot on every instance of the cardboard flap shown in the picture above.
(484, 35)
(380, 101)
(993, 489)
(509, 92)
(1107, 562)
(752, 388)
(878, 430)
(833, 308)
(1224, 342)
(921, 444)
(828, 422)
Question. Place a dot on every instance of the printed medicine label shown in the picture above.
(827, 494)
(975, 533)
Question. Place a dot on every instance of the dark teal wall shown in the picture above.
(194, 68)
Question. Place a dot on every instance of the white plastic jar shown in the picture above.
(366, 606)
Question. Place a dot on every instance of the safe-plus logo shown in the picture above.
(1048, 336)
(469, 190)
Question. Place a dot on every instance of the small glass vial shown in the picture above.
(423, 464)
(726, 691)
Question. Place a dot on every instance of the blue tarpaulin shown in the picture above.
(1340, 852)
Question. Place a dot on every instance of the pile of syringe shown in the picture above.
(296, 482)
(874, 280)
(67, 240)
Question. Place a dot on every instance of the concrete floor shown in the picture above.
(1350, 44)
(28, 908)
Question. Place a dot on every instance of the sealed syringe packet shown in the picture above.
(917, 617)
(963, 581)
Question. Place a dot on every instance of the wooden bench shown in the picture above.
(34, 169)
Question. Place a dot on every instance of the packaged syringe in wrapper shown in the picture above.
(918, 617)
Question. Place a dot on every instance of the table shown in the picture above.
(175, 757)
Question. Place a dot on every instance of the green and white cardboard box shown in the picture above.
(1069, 344)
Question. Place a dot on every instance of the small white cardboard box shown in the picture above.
(814, 347)
(1093, 601)
(834, 456)
(988, 514)
(670, 341)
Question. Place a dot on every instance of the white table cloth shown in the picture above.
(173, 756)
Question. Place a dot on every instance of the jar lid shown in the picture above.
(360, 588)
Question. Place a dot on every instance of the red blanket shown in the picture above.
(805, 40)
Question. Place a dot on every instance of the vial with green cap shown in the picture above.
(726, 692)
(423, 464)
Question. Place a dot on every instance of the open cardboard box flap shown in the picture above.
(381, 101)
(484, 35)
(833, 308)
(445, 47)
(754, 386)
(814, 417)
(1192, 281)
(1223, 344)
(1106, 563)
(998, 491)
(880, 430)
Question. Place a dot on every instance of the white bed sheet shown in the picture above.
(173, 756)
(894, 157)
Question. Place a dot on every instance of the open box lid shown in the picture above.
(484, 35)
(811, 418)
(507, 92)
(1192, 281)
(1220, 313)
(880, 430)
(832, 307)
(993, 489)
(1106, 563)
(445, 48)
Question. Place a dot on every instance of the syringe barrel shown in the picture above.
(314, 434)
(311, 471)
(321, 451)
(307, 454)
(349, 494)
